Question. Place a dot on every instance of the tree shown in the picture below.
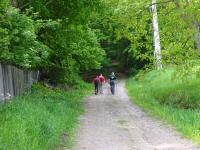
(156, 36)
(196, 28)
(54, 37)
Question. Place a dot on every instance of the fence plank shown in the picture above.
(15, 81)
(1, 84)
(7, 81)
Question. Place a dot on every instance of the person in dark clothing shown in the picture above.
(113, 79)
(96, 82)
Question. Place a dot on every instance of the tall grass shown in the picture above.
(41, 120)
(171, 100)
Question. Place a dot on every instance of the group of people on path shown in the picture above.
(100, 80)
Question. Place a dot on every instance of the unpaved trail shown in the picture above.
(115, 123)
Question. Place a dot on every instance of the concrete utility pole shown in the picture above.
(156, 36)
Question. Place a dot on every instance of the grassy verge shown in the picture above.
(171, 100)
(43, 119)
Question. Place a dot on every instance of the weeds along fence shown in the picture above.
(15, 81)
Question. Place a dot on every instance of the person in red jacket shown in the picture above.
(102, 80)
(96, 82)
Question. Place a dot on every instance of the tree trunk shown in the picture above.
(156, 36)
(197, 34)
(14, 3)
(196, 30)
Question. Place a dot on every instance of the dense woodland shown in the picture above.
(156, 41)
(65, 38)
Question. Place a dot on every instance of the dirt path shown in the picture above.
(114, 123)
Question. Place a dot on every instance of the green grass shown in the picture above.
(43, 119)
(169, 99)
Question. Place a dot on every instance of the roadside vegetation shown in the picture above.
(174, 100)
(72, 40)
(43, 119)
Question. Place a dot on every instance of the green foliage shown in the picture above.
(125, 34)
(76, 11)
(64, 38)
(173, 101)
(41, 120)
(132, 21)
(77, 51)
(18, 42)
(178, 32)
(54, 37)
(174, 91)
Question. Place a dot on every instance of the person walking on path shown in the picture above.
(96, 82)
(102, 80)
(113, 79)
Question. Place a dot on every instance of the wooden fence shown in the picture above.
(15, 81)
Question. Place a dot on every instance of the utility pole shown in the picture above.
(156, 37)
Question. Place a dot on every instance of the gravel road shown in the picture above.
(115, 123)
